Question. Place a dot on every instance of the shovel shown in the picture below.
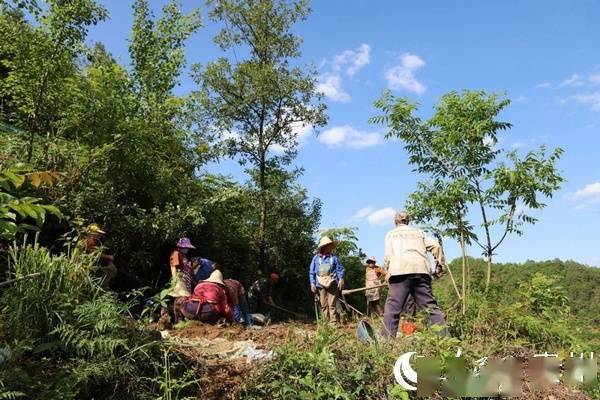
(362, 289)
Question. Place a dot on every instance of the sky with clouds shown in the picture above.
(542, 55)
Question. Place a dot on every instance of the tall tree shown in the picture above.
(458, 148)
(258, 105)
(40, 58)
(120, 136)
(158, 53)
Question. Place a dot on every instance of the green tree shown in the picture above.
(16, 209)
(122, 140)
(457, 148)
(39, 59)
(441, 207)
(158, 54)
(258, 104)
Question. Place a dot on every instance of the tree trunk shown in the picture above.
(464, 272)
(453, 281)
(489, 249)
(262, 247)
(468, 277)
(489, 272)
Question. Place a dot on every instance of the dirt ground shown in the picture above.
(218, 350)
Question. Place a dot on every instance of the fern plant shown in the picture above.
(69, 339)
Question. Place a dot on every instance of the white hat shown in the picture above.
(216, 277)
(372, 259)
(325, 240)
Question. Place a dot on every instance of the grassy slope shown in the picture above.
(581, 282)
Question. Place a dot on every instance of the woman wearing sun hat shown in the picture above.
(208, 303)
(326, 276)
(181, 268)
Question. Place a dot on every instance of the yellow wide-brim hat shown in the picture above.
(325, 240)
(95, 229)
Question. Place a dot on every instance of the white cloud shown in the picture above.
(574, 80)
(590, 99)
(331, 86)
(586, 197)
(489, 141)
(363, 213)
(348, 61)
(303, 132)
(521, 99)
(589, 193)
(353, 59)
(230, 135)
(382, 216)
(594, 78)
(517, 145)
(348, 136)
(402, 76)
(543, 85)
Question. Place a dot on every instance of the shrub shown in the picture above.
(66, 338)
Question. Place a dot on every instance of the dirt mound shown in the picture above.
(269, 337)
(220, 350)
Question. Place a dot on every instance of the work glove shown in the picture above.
(440, 270)
(313, 288)
(341, 284)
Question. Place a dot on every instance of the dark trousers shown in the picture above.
(400, 287)
(195, 310)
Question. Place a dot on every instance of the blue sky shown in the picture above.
(543, 55)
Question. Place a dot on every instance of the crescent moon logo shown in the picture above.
(402, 367)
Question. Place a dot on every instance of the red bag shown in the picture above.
(408, 328)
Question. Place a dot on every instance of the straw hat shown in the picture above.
(95, 229)
(216, 277)
(325, 240)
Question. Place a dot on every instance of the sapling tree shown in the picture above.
(458, 148)
(257, 104)
(442, 208)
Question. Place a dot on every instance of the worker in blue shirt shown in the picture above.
(203, 268)
(327, 278)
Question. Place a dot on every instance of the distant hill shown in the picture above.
(581, 282)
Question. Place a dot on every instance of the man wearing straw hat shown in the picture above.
(326, 276)
(373, 277)
(93, 243)
(409, 273)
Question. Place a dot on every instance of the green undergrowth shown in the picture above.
(63, 337)
(334, 364)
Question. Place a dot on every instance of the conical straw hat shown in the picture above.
(325, 240)
(216, 277)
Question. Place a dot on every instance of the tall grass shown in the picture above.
(69, 339)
